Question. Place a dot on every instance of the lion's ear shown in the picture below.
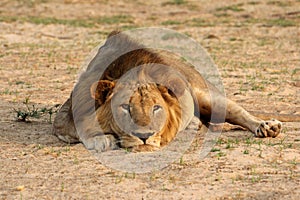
(101, 89)
(175, 87)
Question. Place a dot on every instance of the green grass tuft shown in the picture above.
(87, 23)
(281, 22)
(171, 22)
(234, 8)
(174, 2)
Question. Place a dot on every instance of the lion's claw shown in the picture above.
(270, 128)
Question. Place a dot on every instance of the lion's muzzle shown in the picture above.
(143, 136)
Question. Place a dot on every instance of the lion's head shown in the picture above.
(143, 114)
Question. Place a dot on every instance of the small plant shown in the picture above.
(220, 141)
(128, 150)
(280, 22)
(181, 161)
(171, 22)
(174, 2)
(221, 154)
(255, 179)
(33, 112)
(215, 150)
(249, 141)
(130, 175)
(62, 187)
(279, 3)
(229, 144)
(260, 154)
(294, 162)
(50, 111)
(234, 8)
(39, 146)
(118, 179)
(76, 161)
(199, 22)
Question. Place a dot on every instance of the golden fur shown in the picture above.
(148, 104)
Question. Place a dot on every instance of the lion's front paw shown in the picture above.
(101, 143)
(144, 148)
(270, 128)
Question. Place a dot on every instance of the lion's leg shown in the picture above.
(94, 136)
(63, 125)
(235, 114)
(64, 129)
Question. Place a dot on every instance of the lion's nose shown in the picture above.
(143, 136)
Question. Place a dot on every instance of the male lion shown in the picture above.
(142, 98)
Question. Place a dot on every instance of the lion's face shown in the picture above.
(140, 112)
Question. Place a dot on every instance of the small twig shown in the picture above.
(58, 37)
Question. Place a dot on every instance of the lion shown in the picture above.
(142, 99)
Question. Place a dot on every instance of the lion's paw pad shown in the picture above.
(270, 128)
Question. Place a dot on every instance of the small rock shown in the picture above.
(20, 187)
(297, 84)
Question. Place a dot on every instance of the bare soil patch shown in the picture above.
(256, 45)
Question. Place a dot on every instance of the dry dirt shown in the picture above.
(256, 45)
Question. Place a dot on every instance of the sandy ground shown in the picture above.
(255, 44)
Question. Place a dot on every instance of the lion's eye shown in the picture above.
(156, 108)
(125, 107)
